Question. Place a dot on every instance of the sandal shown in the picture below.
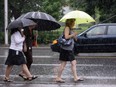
(22, 76)
(60, 81)
(7, 80)
(79, 79)
(31, 78)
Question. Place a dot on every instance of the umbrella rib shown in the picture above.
(39, 15)
(25, 15)
(33, 14)
(47, 16)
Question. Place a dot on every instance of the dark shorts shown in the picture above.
(14, 58)
(66, 55)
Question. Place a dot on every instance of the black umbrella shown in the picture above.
(44, 20)
(20, 23)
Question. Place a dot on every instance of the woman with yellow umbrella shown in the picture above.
(66, 52)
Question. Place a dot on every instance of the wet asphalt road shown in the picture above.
(98, 70)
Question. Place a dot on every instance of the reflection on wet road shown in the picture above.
(97, 70)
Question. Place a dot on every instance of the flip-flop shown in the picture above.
(7, 80)
(22, 76)
(79, 79)
(31, 78)
(60, 81)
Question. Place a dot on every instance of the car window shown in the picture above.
(99, 30)
(111, 30)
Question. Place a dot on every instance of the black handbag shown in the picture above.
(58, 43)
(64, 42)
(56, 47)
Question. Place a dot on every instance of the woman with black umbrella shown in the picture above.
(29, 37)
(16, 56)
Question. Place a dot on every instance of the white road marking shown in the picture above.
(68, 64)
(70, 76)
(33, 56)
(84, 65)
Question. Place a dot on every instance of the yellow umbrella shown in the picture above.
(80, 16)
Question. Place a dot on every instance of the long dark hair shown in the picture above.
(69, 22)
(14, 30)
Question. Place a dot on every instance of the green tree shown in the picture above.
(106, 8)
(1, 21)
(52, 7)
(78, 4)
(19, 7)
(1, 14)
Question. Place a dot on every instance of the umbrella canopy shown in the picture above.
(44, 20)
(20, 23)
(80, 16)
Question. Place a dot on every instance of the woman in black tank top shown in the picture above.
(68, 54)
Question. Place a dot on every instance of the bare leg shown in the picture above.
(26, 71)
(60, 70)
(22, 73)
(74, 71)
(8, 71)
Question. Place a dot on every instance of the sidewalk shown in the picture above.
(39, 45)
(47, 46)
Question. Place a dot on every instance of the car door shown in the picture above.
(91, 40)
(110, 39)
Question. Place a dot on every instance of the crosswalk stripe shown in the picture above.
(94, 65)
(70, 76)
(33, 56)
(47, 56)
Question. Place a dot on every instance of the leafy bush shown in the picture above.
(47, 36)
(1, 37)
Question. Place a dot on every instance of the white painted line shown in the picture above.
(85, 77)
(32, 47)
(74, 85)
(1, 56)
(49, 84)
(33, 56)
(70, 76)
(84, 65)
(92, 57)
(42, 56)
(94, 65)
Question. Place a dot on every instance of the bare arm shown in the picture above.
(67, 33)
